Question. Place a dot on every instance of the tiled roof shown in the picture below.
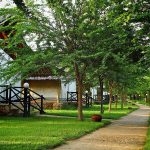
(43, 72)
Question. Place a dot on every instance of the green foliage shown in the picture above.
(108, 39)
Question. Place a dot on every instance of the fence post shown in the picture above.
(25, 101)
(25, 114)
(9, 99)
(91, 101)
(87, 98)
(41, 111)
(67, 96)
(77, 96)
(29, 102)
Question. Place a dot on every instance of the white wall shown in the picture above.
(94, 92)
(70, 87)
(4, 58)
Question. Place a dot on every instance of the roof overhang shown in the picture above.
(45, 78)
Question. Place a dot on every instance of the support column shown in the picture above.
(26, 100)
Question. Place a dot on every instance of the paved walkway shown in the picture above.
(127, 133)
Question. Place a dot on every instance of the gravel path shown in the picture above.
(127, 133)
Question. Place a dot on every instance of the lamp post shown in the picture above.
(26, 100)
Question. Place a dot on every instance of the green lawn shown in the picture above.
(141, 102)
(18, 133)
(147, 144)
(95, 109)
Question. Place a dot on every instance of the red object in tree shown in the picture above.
(96, 118)
(1, 36)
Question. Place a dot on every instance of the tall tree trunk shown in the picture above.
(101, 94)
(123, 97)
(148, 97)
(110, 95)
(121, 100)
(116, 101)
(79, 84)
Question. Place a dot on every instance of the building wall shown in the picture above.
(4, 58)
(95, 92)
(50, 89)
(70, 87)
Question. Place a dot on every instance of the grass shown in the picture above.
(41, 133)
(147, 144)
(95, 109)
(17, 133)
(141, 102)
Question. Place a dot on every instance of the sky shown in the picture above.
(10, 4)
(45, 10)
(6, 3)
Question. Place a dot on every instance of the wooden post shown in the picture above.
(25, 101)
(9, 99)
(41, 111)
(86, 99)
(67, 96)
(29, 103)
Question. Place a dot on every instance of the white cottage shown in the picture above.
(53, 88)
(4, 58)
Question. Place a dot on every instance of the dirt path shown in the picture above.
(127, 133)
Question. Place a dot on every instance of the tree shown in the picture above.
(62, 40)
(70, 35)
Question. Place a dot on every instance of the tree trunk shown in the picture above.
(148, 98)
(79, 85)
(122, 101)
(110, 95)
(116, 101)
(123, 98)
(101, 94)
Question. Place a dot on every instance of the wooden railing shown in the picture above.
(21, 98)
